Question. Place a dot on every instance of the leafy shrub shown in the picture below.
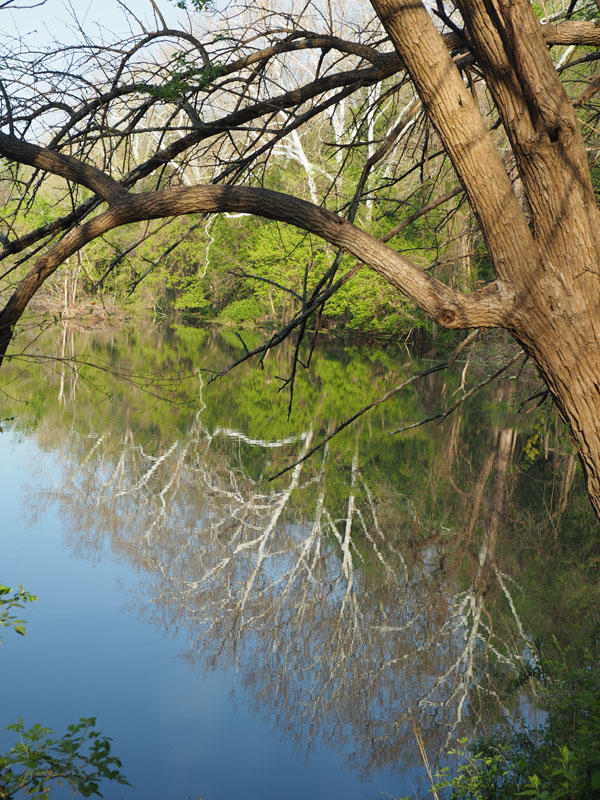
(11, 599)
(192, 298)
(242, 312)
(38, 761)
(560, 761)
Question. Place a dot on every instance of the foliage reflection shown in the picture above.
(388, 590)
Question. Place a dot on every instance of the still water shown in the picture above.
(239, 638)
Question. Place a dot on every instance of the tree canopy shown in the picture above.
(381, 106)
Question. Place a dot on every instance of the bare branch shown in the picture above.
(59, 164)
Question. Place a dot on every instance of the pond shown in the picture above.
(316, 635)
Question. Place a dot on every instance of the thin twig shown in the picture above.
(446, 412)
(436, 368)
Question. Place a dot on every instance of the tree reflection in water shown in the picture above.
(350, 612)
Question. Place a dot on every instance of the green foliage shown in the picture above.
(282, 264)
(197, 5)
(230, 259)
(11, 599)
(186, 76)
(560, 761)
(192, 298)
(38, 761)
(493, 772)
(242, 312)
(531, 449)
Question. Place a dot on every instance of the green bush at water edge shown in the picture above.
(38, 761)
(560, 761)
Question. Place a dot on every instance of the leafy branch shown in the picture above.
(11, 599)
(38, 761)
(80, 759)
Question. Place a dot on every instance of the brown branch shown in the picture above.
(67, 167)
(307, 41)
(588, 92)
(578, 32)
(290, 99)
(487, 307)
(570, 32)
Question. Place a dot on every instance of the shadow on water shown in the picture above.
(390, 589)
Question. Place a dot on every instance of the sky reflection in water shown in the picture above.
(176, 727)
(388, 584)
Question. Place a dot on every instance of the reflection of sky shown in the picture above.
(177, 731)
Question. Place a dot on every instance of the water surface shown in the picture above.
(244, 638)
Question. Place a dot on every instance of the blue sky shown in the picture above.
(55, 17)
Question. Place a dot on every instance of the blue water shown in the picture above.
(178, 731)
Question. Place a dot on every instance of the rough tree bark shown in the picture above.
(545, 251)
(550, 263)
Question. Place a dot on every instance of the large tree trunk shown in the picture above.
(546, 256)
(557, 305)
(544, 240)
(566, 347)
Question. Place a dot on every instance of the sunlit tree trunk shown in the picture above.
(543, 236)
(548, 264)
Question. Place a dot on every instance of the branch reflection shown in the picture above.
(362, 601)
(333, 621)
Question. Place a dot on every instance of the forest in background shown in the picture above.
(371, 157)
(245, 272)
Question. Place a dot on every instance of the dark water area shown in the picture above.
(311, 636)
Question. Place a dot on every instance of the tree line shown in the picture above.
(514, 126)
